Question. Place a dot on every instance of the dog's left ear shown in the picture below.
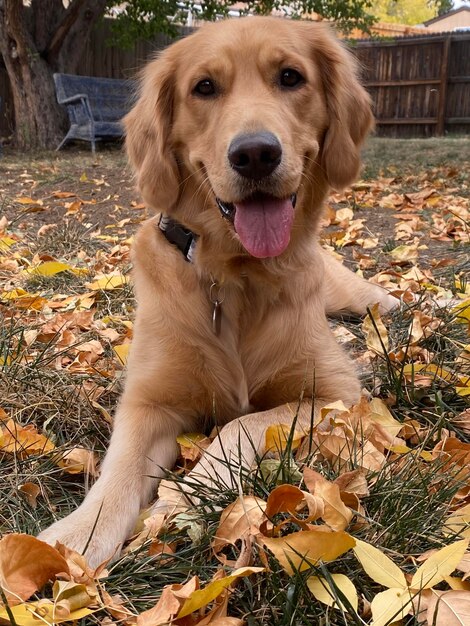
(148, 136)
(349, 110)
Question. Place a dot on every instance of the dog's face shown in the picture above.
(251, 115)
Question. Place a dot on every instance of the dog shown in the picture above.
(237, 135)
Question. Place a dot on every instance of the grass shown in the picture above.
(410, 497)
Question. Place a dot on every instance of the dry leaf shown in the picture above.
(31, 492)
(202, 597)
(23, 441)
(279, 436)
(26, 565)
(238, 520)
(79, 461)
(441, 564)
(326, 593)
(34, 614)
(301, 550)
(390, 606)
(452, 608)
(378, 566)
(335, 514)
(375, 332)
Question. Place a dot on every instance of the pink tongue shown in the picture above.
(264, 225)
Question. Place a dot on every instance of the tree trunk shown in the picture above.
(31, 54)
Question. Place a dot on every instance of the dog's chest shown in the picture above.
(262, 341)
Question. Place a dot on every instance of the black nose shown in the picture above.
(255, 155)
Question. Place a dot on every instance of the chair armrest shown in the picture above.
(83, 98)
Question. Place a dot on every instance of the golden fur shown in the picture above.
(275, 345)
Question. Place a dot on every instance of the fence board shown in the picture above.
(416, 90)
(420, 86)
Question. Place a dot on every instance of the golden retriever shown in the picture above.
(238, 133)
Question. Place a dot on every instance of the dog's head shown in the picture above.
(253, 118)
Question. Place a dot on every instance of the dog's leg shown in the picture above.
(235, 449)
(143, 441)
(347, 292)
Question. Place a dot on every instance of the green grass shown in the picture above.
(409, 498)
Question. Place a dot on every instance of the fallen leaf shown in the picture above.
(38, 613)
(335, 514)
(26, 565)
(280, 436)
(378, 566)
(108, 282)
(202, 597)
(452, 608)
(374, 331)
(301, 550)
(238, 520)
(390, 606)
(439, 565)
(79, 461)
(326, 593)
(31, 492)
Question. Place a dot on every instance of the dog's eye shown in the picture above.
(291, 78)
(205, 88)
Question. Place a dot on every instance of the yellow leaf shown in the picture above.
(324, 592)
(333, 407)
(122, 352)
(390, 606)
(188, 440)
(23, 299)
(427, 368)
(404, 253)
(462, 311)
(381, 415)
(299, 551)
(374, 331)
(278, 436)
(26, 564)
(439, 565)
(457, 584)
(108, 282)
(202, 597)
(378, 566)
(5, 243)
(77, 595)
(49, 268)
(30, 614)
(27, 200)
(458, 523)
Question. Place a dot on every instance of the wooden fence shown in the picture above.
(420, 85)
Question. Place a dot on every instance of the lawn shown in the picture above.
(384, 486)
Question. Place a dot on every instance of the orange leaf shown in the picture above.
(26, 564)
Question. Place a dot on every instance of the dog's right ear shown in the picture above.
(148, 136)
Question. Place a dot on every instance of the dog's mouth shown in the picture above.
(262, 222)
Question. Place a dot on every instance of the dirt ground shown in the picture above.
(404, 181)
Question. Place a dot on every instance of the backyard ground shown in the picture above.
(390, 494)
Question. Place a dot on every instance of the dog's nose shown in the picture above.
(255, 155)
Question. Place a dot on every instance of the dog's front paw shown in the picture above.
(388, 302)
(81, 533)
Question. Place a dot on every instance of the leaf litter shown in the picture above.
(315, 509)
